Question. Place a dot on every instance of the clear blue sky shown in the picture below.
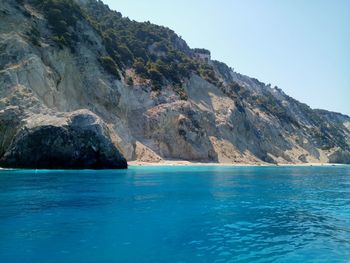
(302, 46)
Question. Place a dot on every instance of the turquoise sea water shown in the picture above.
(176, 214)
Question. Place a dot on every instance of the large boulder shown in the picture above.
(79, 140)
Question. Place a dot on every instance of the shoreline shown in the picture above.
(181, 163)
(188, 163)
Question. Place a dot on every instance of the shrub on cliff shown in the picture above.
(62, 16)
(140, 68)
(140, 44)
(110, 66)
(155, 53)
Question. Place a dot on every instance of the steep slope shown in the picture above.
(154, 97)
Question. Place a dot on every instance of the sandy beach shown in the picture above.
(188, 163)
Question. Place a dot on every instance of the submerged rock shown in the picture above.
(78, 141)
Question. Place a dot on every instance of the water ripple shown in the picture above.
(176, 214)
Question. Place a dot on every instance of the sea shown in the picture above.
(176, 214)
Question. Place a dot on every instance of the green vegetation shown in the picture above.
(140, 68)
(207, 72)
(62, 16)
(155, 53)
(110, 66)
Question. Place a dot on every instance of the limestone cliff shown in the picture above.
(202, 111)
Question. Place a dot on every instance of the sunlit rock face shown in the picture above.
(59, 107)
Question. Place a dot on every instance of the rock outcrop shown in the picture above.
(79, 140)
(60, 108)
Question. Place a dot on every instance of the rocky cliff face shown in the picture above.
(61, 107)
